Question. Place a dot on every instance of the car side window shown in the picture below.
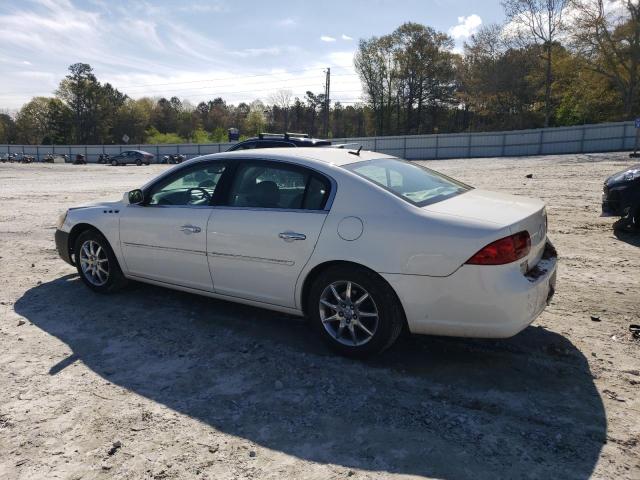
(194, 186)
(269, 185)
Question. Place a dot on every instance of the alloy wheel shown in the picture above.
(348, 313)
(94, 263)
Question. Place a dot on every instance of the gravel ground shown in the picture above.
(152, 383)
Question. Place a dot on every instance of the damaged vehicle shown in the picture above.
(362, 243)
(621, 198)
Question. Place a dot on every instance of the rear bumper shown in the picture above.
(477, 301)
(62, 245)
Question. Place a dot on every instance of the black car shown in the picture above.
(621, 197)
(279, 140)
(138, 157)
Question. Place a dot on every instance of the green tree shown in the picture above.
(32, 121)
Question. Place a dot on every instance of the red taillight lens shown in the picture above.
(506, 250)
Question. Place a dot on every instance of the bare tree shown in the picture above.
(282, 99)
(539, 22)
(607, 36)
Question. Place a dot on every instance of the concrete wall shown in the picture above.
(604, 137)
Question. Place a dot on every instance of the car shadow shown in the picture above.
(628, 236)
(440, 407)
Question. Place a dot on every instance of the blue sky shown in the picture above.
(240, 50)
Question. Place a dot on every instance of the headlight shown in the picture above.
(62, 218)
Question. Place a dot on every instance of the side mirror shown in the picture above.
(135, 197)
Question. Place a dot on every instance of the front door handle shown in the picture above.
(189, 229)
(291, 236)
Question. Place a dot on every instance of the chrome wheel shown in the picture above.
(94, 263)
(348, 313)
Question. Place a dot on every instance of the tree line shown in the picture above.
(552, 63)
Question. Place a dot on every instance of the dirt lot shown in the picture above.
(152, 383)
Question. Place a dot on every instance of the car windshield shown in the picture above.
(414, 183)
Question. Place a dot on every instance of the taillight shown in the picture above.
(506, 250)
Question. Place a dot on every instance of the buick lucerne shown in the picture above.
(363, 244)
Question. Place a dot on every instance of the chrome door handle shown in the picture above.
(291, 236)
(188, 229)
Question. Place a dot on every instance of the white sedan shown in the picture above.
(364, 244)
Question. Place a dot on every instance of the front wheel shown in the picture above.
(97, 264)
(114, 163)
(355, 311)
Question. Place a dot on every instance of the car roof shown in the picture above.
(331, 156)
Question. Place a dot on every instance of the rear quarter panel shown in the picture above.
(397, 237)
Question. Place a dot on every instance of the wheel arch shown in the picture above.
(321, 267)
(75, 232)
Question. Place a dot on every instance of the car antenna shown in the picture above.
(356, 152)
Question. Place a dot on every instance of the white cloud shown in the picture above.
(327, 38)
(287, 22)
(466, 26)
(346, 37)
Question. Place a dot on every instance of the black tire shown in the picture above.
(114, 163)
(635, 219)
(115, 279)
(390, 318)
(138, 162)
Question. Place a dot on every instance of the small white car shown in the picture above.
(362, 243)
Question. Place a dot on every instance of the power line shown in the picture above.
(229, 77)
(240, 75)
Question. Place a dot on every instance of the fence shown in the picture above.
(604, 137)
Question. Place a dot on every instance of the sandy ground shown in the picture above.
(156, 384)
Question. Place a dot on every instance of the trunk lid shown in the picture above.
(508, 211)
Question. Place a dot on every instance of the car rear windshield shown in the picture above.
(414, 183)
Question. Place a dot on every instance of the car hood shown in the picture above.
(628, 175)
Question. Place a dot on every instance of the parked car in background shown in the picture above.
(363, 243)
(137, 157)
(173, 158)
(621, 198)
(279, 140)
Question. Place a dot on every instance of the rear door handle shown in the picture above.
(291, 236)
(189, 229)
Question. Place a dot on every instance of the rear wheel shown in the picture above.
(355, 311)
(138, 162)
(97, 264)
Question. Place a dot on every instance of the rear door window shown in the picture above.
(279, 186)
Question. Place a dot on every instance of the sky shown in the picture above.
(200, 49)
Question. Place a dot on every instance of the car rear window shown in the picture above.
(414, 183)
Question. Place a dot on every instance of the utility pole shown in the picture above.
(326, 102)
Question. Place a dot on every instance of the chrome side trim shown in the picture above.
(155, 247)
(252, 259)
